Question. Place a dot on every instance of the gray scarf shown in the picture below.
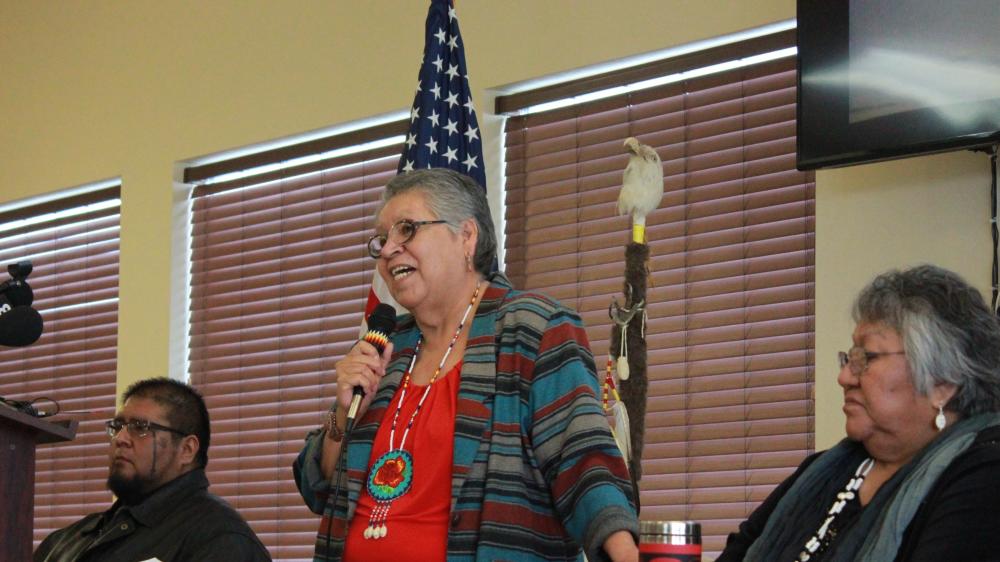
(877, 533)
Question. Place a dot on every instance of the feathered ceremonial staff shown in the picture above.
(642, 191)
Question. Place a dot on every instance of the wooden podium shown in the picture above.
(19, 434)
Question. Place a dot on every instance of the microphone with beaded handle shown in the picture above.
(381, 323)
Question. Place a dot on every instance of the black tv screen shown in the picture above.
(881, 79)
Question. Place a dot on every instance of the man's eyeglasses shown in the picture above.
(858, 358)
(137, 428)
(402, 232)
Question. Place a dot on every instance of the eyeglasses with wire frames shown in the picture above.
(858, 358)
(401, 232)
(137, 429)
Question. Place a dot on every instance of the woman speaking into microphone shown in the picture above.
(481, 435)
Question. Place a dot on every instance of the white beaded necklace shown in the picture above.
(813, 544)
(391, 475)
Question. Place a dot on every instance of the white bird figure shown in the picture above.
(642, 186)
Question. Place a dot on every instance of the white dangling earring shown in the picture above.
(940, 421)
(468, 262)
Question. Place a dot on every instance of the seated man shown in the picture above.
(159, 449)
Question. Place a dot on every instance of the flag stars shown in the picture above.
(470, 163)
(444, 131)
(472, 133)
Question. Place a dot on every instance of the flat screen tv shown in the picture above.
(882, 79)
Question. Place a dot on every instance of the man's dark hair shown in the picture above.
(184, 406)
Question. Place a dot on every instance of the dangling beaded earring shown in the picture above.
(468, 262)
(940, 421)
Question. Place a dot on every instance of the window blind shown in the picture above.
(279, 281)
(73, 246)
(730, 329)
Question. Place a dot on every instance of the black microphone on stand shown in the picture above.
(381, 322)
(20, 325)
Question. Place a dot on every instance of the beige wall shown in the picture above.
(96, 89)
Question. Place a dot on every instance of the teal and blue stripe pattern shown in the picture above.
(536, 474)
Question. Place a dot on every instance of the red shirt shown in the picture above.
(418, 520)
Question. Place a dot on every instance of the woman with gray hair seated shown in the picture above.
(917, 476)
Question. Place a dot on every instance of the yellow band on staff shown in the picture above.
(639, 233)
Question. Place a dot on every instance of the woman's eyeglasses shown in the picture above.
(137, 428)
(402, 232)
(858, 358)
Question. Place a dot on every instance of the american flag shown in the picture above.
(444, 132)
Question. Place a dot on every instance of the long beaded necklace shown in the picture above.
(391, 476)
(813, 544)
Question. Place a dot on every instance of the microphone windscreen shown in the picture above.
(381, 322)
(19, 293)
(20, 326)
(382, 319)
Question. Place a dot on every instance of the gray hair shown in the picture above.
(949, 333)
(452, 197)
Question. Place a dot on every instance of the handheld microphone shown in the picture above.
(381, 322)
(19, 325)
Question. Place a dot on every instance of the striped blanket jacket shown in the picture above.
(536, 474)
